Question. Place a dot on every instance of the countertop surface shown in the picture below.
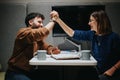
(65, 62)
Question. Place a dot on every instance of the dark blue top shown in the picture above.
(105, 49)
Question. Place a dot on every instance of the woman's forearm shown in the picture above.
(66, 28)
(117, 65)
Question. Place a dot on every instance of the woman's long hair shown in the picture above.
(103, 22)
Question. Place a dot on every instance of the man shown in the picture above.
(27, 42)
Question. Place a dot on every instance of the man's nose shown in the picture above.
(41, 24)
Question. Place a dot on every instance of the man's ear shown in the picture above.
(31, 21)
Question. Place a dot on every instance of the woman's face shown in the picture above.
(93, 23)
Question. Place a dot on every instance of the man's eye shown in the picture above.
(39, 22)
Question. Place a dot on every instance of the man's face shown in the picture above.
(37, 22)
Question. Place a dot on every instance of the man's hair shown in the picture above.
(32, 16)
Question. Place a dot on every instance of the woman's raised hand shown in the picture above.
(54, 15)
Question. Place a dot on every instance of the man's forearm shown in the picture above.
(50, 25)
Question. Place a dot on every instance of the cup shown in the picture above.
(85, 54)
(41, 54)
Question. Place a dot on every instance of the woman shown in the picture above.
(105, 43)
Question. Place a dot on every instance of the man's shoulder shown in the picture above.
(24, 29)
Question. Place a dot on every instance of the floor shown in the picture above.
(2, 75)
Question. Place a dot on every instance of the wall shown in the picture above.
(113, 12)
(12, 14)
(26, 1)
(11, 19)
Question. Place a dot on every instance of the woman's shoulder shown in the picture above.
(115, 35)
